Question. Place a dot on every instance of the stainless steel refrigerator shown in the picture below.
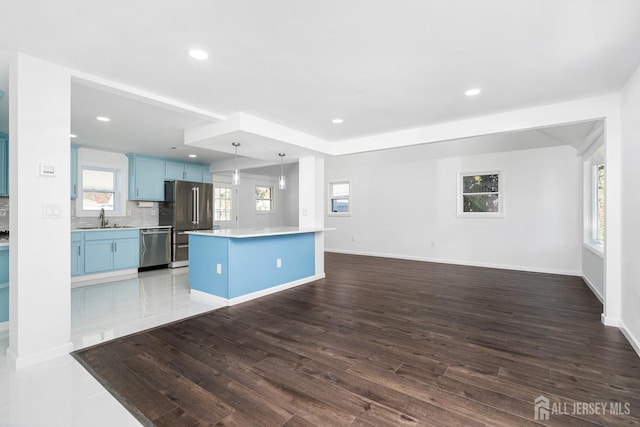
(187, 206)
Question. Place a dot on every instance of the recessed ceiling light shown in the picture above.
(193, 156)
(473, 92)
(198, 54)
(73, 135)
(337, 121)
(103, 119)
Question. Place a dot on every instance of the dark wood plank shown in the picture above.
(382, 342)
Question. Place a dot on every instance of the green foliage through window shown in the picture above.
(264, 198)
(480, 193)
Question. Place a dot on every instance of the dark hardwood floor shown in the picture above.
(384, 342)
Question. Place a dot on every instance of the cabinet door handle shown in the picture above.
(115, 247)
(78, 250)
(137, 192)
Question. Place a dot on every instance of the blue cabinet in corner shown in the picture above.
(146, 178)
(4, 283)
(4, 164)
(77, 253)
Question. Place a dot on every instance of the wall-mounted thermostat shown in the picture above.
(47, 170)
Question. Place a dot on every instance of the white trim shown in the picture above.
(214, 299)
(633, 340)
(99, 278)
(467, 263)
(595, 248)
(609, 321)
(209, 298)
(501, 196)
(593, 289)
(330, 183)
(39, 357)
(4, 326)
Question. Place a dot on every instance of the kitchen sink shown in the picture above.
(108, 227)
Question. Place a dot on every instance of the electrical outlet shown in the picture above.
(219, 268)
(433, 244)
(353, 238)
(279, 262)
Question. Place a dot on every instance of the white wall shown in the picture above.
(40, 301)
(404, 205)
(285, 202)
(593, 271)
(630, 319)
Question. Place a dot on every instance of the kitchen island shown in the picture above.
(230, 266)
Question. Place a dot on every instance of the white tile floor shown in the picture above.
(61, 392)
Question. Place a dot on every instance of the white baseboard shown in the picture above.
(273, 290)
(216, 300)
(19, 362)
(633, 340)
(456, 262)
(210, 299)
(593, 289)
(99, 278)
(609, 321)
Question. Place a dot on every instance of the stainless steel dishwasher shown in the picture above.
(155, 246)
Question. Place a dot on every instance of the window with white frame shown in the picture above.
(340, 198)
(222, 204)
(598, 203)
(480, 194)
(264, 198)
(99, 189)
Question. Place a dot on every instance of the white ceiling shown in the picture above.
(379, 65)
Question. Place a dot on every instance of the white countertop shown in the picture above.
(242, 233)
(125, 227)
(4, 243)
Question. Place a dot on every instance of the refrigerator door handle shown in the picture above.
(193, 205)
(198, 206)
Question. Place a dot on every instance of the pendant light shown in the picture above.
(282, 184)
(236, 175)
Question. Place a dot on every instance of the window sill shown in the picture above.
(595, 248)
(336, 214)
(480, 215)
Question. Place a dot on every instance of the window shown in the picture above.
(339, 196)
(264, 198)
(480, 194)
(99, 189)
(222, 204)
(599, 203)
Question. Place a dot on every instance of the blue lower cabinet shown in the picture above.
(98, 256)
(77, 253)
(4, 283)
(126, 253)
(107, 251)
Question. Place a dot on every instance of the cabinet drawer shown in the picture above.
(111, 234)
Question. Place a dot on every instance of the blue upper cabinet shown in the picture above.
(4, 164)
(146, 178)
(181, 171)
(193, 172)
(174, 171)
(74, 171)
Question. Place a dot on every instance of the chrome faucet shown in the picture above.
(103, 220)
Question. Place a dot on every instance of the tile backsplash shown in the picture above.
(139, 217)
(4, 213)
